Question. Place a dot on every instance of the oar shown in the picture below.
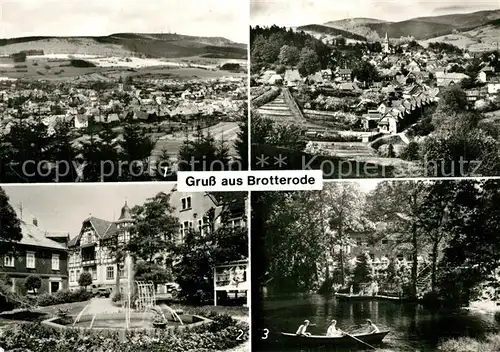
(358, 340)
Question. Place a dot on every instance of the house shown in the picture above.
(494, 87)
(90, 251)
(344, 75)
(327, 74)
(445, 79)
(275, 80)
(370, 120)
(292, 77)
(81, 121)
(485, 74)
(40, 255)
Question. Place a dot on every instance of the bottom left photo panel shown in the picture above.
(123, 267)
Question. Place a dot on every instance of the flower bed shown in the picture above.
(223, 333)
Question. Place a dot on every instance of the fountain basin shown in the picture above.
(116, 321)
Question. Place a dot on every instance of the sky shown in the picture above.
(213, 18)
(63, 207)
(290, 13)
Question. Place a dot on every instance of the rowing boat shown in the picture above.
(340, 341)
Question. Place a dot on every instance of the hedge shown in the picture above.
(223, 333)
(267, 97)
(63, 296)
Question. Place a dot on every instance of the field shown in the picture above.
(477, 40)
(51, 68)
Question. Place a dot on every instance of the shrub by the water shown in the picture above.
(467, 344)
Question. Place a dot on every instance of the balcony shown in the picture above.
(89, 261)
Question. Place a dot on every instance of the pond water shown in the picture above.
(412, 326)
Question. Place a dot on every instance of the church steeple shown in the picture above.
(125, 213)
(386, 44)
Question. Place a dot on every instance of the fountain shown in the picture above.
(131, 316)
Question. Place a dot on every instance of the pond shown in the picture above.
(412, 326)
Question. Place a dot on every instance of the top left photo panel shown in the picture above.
(122, 90)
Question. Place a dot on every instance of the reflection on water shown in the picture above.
(413, 327)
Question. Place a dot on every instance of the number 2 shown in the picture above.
(240, 336)
(266, 334)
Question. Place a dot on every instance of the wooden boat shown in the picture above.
(347, 297)
(326, 341)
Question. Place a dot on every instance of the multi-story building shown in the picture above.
(39, 253)
(91, 250)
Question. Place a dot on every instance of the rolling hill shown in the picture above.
(330, 31)
(123, 44)
(420, 28)
(484, 38)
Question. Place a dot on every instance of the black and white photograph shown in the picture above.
(367, 89)
(377, 265)
(122, 90)
(125, 267)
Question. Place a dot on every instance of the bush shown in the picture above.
(81, 63)
(45, 299)
(63, 296)
(33, 282)
(219, 335)
(267, 97)
(85, 279)
(117, 297)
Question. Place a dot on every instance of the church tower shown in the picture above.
(386, 44)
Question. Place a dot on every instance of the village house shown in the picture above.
(292, 78)
(38, 253)
(343, 75)
(446, 79)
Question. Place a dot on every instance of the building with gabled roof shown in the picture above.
(38, 254)
(90, 250)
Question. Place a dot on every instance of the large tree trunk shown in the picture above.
(434, 265)
(414, 266)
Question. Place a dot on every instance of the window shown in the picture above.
(94, 273)
(72, 276)
(8, 260)
(77, 275)
(110, 273)
(55, 261)
(200, 226)
(186, 203)
(30, 260)
(122, 270)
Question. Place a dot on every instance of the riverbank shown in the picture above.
(466, 344)
(484, 307)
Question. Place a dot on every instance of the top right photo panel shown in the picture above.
(376, 89)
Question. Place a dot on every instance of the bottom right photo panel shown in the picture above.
(370, 265)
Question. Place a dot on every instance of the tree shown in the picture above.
(343, 204)
(453, 100)
(366, 72)
(204, 154)
(200, 252)
(85, 279)
(241, 143)
(289, 55)
(266, 132)
(363, 271)
(33, 282)
(136, 151)
(308, 62)
(398, 205)
(154, 229)
(10, 225)
(156, 273)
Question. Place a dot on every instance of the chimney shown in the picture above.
(35, 221)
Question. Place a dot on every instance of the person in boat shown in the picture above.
(372, 328)
(302, 329)
(332, 330)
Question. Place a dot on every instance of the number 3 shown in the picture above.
(266, 334)
(239, 338)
